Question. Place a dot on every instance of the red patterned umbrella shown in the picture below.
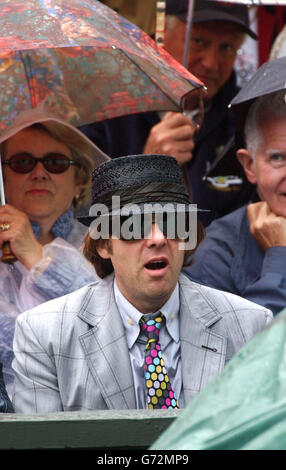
(84, 62)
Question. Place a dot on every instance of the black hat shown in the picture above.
(209, 10)
(147, 181)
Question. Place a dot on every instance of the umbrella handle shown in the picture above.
(7, 255)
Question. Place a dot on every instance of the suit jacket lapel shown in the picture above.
(106, 348)
(203, 352)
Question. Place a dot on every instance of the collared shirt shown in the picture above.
(136, 341)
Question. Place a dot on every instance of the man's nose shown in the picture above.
(156, 236)
(210, 58)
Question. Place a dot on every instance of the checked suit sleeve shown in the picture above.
(35, 385)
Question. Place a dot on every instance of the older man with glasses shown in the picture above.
(245, 251)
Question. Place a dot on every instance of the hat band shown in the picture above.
(148, 193)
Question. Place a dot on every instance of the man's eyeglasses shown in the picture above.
(52, 162)
(138, 226)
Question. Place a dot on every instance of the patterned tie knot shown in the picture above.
(150, 326)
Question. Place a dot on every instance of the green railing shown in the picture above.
(133, 429)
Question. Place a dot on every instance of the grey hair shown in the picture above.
(267, 107)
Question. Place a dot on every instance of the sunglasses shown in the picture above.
(139, 226)
(52, 162)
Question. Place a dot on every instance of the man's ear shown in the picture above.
(248, 164)
(104, 249)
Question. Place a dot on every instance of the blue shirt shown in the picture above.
(136, 341)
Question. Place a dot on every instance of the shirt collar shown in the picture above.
(131, 316)
(62, 226)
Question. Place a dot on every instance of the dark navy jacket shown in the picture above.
(230, 259)
(127, 136)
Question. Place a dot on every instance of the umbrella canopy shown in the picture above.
(244, 408)
(270, 77)
(84, 61)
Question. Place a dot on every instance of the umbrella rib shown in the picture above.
(151, 78)
(28, 72)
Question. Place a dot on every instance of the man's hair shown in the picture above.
(267, 107)
(80, 151)
(104, 267)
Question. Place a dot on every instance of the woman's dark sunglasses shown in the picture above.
(52, 162)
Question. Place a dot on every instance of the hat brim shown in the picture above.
(36, 115)
(203, 16)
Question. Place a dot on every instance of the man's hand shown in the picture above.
(266, 227)
(173, 135)
(23, 243)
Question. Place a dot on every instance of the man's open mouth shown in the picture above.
(156, 264)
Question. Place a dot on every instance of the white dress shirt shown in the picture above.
(136, 341)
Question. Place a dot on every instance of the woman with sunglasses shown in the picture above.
(46, 168)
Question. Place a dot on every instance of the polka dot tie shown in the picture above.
(159, 390)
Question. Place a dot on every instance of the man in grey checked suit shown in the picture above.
(85, 351)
